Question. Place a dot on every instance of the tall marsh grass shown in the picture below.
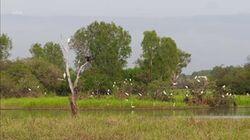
(121, 126)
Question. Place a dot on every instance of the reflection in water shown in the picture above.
(206, 113)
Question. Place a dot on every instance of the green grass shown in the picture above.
(120, 126)
(99, 103)
(243, 100)
(108, 102)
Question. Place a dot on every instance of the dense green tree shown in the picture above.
(37, 51)
(50, 52)
(235, 78)
(150, 42)
(166, 60)
(107, 43)
(5, 46)
(160, 56)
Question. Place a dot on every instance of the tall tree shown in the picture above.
(107, 43)
(50, 52)
(183, 61)
(166, 59)
(149, 44)
(5, 46)
(160, 56)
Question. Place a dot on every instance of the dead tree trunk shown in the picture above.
(73, 104)
(73, 87)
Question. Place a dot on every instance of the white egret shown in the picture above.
(126, 94)
(132, 106)
(68, 40)
(174, 83)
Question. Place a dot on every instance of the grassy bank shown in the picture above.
(95, 103)
(120, 126)
(102, 103)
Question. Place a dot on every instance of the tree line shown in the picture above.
(107, 46)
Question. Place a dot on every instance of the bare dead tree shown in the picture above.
(73, 86)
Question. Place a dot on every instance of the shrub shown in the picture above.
(236, 78)
(222, 97)
(17, 80)
(49, 75)
(95, 81)
(160, 90)
(31, 77)
(197, 88)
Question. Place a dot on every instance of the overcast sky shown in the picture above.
(125, 8)
(215, 32)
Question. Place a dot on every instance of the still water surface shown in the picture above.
(212, 113)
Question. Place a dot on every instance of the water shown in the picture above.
(212, 113)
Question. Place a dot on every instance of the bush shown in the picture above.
(31, 77)
(198, 89)
(95, 81)
(6, 85)
(236, 78)
(18, 81)
(49, 75)
(160, 90)
(222, 97)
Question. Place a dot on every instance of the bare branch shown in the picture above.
(79, 71)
